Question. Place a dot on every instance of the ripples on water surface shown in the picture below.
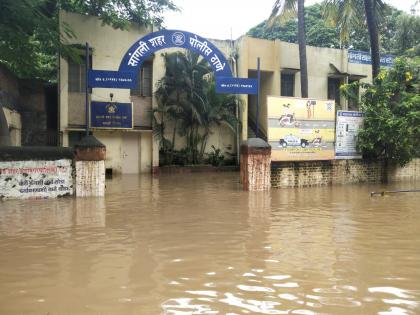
(197, 244)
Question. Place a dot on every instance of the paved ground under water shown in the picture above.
(197, 244)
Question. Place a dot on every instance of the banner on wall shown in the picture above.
(347, 128)
(300, 129)
(364, 57)
(110, 115)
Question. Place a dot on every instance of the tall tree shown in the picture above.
(347, 14)
(373, 35)
(29, 30)
(284, 10)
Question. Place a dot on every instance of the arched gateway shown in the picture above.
(126, 76)
(149, 44)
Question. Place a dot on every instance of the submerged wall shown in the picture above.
(316, 173)
(51, 172)
(35, 172)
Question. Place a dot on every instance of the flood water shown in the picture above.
(197, 244)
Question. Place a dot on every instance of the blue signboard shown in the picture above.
(111, 115)
(231, 85)
(363, 57)
(112, 79)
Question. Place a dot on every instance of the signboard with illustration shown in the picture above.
(300, 129)
(111, 115)
(347, 128)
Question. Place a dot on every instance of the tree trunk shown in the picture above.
(302, 49)
(173, 142)
(373, 36)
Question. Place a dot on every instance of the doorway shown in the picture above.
(130, 153)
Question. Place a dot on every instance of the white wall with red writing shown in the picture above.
(36, 179)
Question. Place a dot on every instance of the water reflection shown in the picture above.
(40, 216)
(197, 244)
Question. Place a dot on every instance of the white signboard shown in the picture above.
(35, 179)
(347, 128)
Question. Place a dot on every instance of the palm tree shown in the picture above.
(373, 35)
(284, 10)
(186, 97)
(348, 13)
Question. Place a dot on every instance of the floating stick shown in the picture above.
(382, 193)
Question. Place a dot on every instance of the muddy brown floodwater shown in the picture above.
(197, 244)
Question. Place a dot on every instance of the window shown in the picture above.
(287, 84)
(144, 84)
(334, 91)
(77, 75)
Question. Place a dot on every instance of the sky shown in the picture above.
(225, 19)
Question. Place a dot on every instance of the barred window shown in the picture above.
(144, 84)
(77, 75)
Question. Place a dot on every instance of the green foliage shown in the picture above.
(407, 35)
(397, 30)
(189, 104)
(119, 13)
(392, 113)
(317, 32)
(29, 32)
(215, 157)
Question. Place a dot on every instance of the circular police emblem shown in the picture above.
(178, 38)
(111, 108)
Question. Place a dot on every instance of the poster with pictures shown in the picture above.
(300, 129)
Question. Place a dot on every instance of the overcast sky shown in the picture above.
(222, 19)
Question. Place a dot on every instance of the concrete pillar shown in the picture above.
(255, 165)
(90, 167)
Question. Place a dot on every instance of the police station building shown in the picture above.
(131, 148)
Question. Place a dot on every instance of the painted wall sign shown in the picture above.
(347, 128)
(112, 79)
(236, 85)
(111, 115)
(300, 129)
(363, 57)
(35, 179)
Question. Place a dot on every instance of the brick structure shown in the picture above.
(317, 173)
(255, 165)
(409, 172)
(90, 167)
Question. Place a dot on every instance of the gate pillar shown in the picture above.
(255, 164)
(90, 167)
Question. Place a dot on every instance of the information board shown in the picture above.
(109, 115)
(347, 128)
(300, 129)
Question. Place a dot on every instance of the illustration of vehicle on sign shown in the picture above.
(288, 120)
(291, 140)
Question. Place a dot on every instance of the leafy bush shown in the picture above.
(392, 113)
(215, 157)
